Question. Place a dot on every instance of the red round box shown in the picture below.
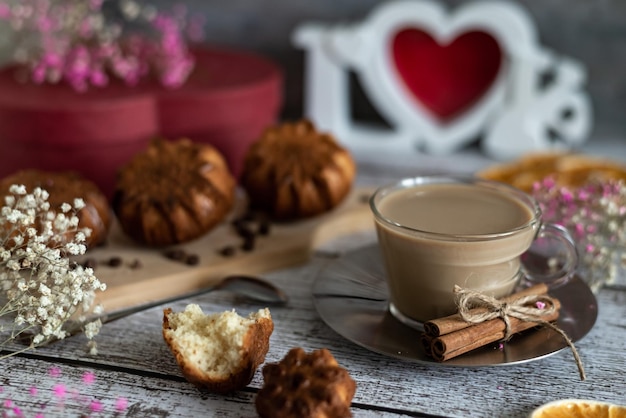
(228, 100)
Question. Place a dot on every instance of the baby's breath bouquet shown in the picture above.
(41, 287)
(595, 215)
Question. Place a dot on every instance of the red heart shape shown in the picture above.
(446, 79)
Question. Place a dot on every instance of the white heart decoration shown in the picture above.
(365, 48)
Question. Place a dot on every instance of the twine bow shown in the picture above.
(529, 308)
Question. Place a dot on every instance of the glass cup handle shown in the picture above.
(552, 257)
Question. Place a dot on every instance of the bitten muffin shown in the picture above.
(305, 386)
(64, 187)
(173, 192)
(218, 352)
(293, 171)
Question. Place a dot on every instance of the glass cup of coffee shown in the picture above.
(436, 232)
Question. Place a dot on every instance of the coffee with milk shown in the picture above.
(437, 235)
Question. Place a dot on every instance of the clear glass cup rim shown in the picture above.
(408, 182)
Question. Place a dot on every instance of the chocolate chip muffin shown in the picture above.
(173, 192)
(294, 172)
(64, 187)
(305, 386)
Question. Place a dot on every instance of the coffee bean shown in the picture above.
(175, 254)
(135, 264)
(114, 261)
(264, 227)
(248, 243)
(249, 216)
(90, 263)
(244, 230)
(192, 260)
(227, 251)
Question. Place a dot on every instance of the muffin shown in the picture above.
(305, 386)
(173, 192)
(64, 187)
(218, 352)
(294, 172)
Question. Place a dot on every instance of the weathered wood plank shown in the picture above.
(135, 363)
(74, 390)
(135, 343)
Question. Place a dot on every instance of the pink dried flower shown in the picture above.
(89, 378)
(121, 404)
(95, 406)
(5, 11)
(55, 372)
(77, 43)
(595, 215)
(59, 390)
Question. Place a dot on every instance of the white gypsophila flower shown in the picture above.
(29, 201)
(73, 222)
(92, 328)
(75, 248)
(42, 288)
(61, 222)
(45, 301)
(18, 189)
(13, 265)
(4, 254)
(14, 216)
(81, 237)
(79, 204)
(42, 313)
(93, 348)
(41, 194)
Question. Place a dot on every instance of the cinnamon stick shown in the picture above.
(427, 344)
(473, 336)
(454, 322)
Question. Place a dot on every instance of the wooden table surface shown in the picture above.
(135, 367)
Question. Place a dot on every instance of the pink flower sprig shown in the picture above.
(595, 215)
(74, 41)
(59, 399)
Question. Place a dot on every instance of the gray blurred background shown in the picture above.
(591, 31)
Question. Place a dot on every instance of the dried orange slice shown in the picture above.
(567, 169)
(579, 408)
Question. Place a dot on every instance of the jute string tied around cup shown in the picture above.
(529, 308)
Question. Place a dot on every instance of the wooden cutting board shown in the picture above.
(146, 274)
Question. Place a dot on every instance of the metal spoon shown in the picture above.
(250, 287)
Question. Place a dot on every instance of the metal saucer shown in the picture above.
(350, 295)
